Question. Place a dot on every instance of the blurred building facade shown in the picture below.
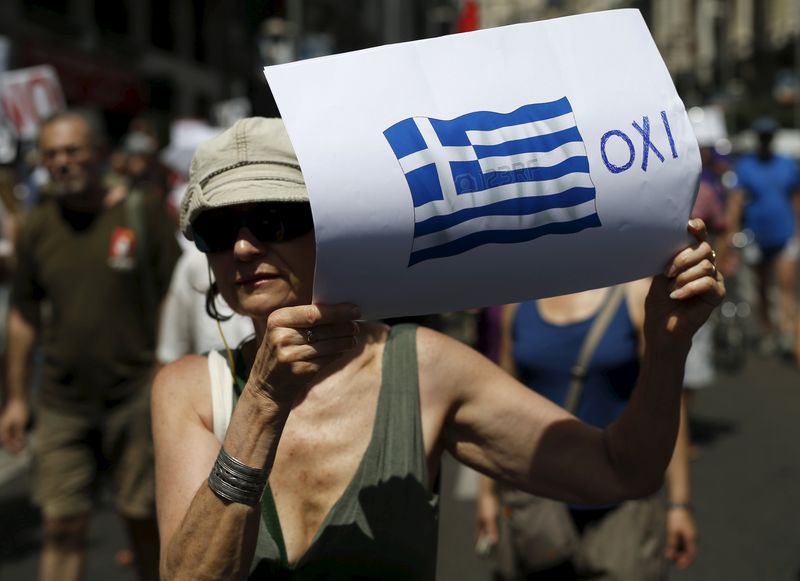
(177, 58)
(742, 54)
(126, 57)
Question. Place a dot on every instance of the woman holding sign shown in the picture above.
(327, 465)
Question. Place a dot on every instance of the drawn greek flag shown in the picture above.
(494, 178)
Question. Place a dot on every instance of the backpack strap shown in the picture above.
(590, 342)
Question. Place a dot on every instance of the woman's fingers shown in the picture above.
(302, 340)
(689, 257)
(317, 339)
(307, 316)
(697, 228)
(305, 352)
(320, 333)
(705, 267)
(697, 278)
(694, 288)
(693, 271)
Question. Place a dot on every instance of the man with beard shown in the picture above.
(93, 263)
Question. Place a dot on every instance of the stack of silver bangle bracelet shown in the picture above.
(235, 481)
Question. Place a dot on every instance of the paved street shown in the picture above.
(747, 480)
(21, 535)
(747, 493)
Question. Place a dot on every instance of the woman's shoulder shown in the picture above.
(183, 369)
(441, 357)
(183, 383)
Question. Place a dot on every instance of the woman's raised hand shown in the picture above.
(681, 300)
(299, 342)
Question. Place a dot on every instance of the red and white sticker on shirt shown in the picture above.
(122, 251)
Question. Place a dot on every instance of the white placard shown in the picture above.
(30, 96)
(492, 166)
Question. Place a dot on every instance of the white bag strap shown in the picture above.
(221, 393)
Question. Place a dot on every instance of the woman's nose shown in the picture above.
(247, 245)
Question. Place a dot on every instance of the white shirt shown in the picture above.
(185, 325)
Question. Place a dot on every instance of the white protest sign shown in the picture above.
(492, 166)
(30, 96)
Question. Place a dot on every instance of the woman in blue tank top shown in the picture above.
(540, 345)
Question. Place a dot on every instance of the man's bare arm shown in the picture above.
(22, 332)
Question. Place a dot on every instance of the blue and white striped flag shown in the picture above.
(494, 178)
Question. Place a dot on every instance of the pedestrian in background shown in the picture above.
(143, 168)
(92, 266)
(582, 351)
(711, 207)
(767, 202)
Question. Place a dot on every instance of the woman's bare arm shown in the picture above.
(202, 536)
(507, 431)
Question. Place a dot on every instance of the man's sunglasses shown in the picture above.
(217, 230)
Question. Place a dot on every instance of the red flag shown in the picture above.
(468, 19)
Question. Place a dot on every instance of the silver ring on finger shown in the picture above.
(714, 264)
(309, 336)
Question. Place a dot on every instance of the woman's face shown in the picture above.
(257, 276)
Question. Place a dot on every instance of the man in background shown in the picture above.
(92, 266)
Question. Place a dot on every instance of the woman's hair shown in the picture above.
(211, 304)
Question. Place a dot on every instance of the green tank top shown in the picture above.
(385, 524)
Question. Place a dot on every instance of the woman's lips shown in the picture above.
(257, 279)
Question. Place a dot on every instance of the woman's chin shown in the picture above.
(260, 307)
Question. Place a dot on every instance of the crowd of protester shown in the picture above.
(103, 267)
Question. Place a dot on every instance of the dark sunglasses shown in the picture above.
(217, 230)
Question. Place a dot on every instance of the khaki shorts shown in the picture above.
(73, 454)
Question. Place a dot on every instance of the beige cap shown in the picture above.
(253, 161)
